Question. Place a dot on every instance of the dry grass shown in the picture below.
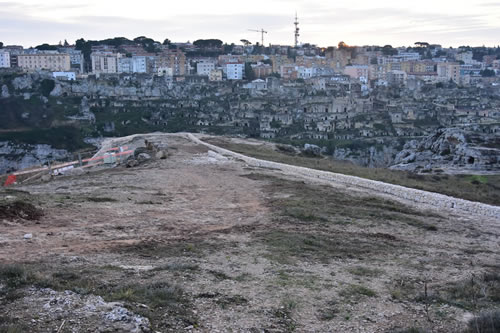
(486, 189)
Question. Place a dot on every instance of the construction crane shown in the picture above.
(262, 31)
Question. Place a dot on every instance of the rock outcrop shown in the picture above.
(450, 148)
(17, 157)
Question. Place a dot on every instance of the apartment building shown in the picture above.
(4, 59)
(135, 64)
(56, 62)
(234, 71)
(75, 57)
(205, 67)
(174, 59)
(357, 71)
(449, 71)
(105, 62)
(262, 70)
(397, 78)
(289, 72)
(215, 75)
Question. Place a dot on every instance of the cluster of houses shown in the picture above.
(371, 66)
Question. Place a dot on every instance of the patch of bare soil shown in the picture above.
(202, 243)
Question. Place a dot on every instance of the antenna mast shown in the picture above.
(297, 34)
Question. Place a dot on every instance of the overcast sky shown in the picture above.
(322, 22)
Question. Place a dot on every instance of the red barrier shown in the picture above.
(11, 179)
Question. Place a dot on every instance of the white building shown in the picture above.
(204, 67)
(4, 59)
(397, 78)
(258, 84)
(234, 71)
(139, 64)
(164, 71)
(305, 72)
(466, 57)
(407, 56)
(69, 76)
(135, 64)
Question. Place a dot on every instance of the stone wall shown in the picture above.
(434, 199)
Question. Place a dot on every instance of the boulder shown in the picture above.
(143, 157)
(46, 178)
(161, 155)
(140, 150)
(313, 150)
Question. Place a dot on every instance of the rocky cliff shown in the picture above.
(15, 157)
(451, 150)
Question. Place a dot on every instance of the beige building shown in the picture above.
(449, 71)
(278, 61)
(105, 62)
(56, 62)
(175, 59)
(357, 71)
(215, 75)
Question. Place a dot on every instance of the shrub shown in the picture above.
(14, 276)
(485, 322)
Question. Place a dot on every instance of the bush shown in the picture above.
(486, 322)
(14, 276)
(410, 330)
(47, 86)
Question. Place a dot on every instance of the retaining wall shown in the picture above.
(434, 199)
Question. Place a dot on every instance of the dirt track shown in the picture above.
(253, 250)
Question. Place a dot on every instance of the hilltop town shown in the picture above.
(372, 105)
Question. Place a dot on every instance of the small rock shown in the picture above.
(131, 163)
(28, 236)
(46, 178)
(161, 155)
(143, 157)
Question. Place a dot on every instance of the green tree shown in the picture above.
(388, 50)
(249, 73)
(46, 47)
(228, 48)
(1, 45)
(167, 41)
(208, 43)
(488, 73)
(47, 86)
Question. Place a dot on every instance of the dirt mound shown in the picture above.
(19, 209)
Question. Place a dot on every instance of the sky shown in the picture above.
(322, 22)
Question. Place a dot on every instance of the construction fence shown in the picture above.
(80, 161)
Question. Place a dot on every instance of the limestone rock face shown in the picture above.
(17, 157)
(450, 148)
(57, 91)
(22, 82)
(373, 157)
